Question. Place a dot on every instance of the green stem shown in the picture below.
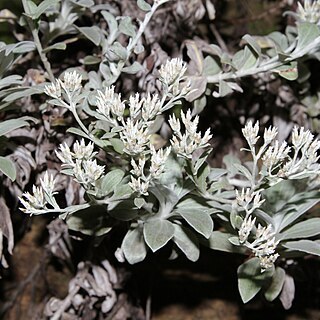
(139, 34)
(37, 41)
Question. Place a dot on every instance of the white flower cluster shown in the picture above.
(309, 11)
(249, 200)
(185, 144)
(263, 246)
(305, 157)
(172, 71)
(37, 203)
(140, 183)
(71, 85)
(277, 159)
(85, 170)
(110, 105)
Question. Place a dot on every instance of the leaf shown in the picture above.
(143, 5)
(90, 221)
(243, 170)
(6, 227)
(139, 202)
(111, 21)
(123, 191)
(187, 242)
(306, 246)
(224, 90)
(126, 27)
(210, 66)
(91, 60)
(196, 57)
(117, 145)
(303, 229)
(287, 293)
(197, 88)
(157, 233)
(307, 33)
(78, 132)
(12, 124)
(276, 284)
(244, 59)
(92, 33)
(199, 105)
(288, 71)
(56, 46)
(42, 7)
(133, 69)
(133, 246)
(123, 210)
(8, 168)
(220, 241)
(253, 43)
(199, 220)
(250, 279)
(108, 183)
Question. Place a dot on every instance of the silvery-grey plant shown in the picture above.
(171, 196)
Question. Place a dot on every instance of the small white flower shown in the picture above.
(48, 183)
(174, 123)
(275, 155)
(302, 138)
(151, 107)
(185, 145)
(267, 262)
(158, 159)
(83, 151)
(110, 102)
(87, 172)
(71, 82)
(172, 71)
(269, 134)
(310, 11)
(135, 105)
(138, 168)
(250, 132)
(65, 155)
(33, 204)
(137, 185)
(245, 229)
(135, 137)
(245, 197)
(53, 90)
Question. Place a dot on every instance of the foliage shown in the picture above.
(142, 162)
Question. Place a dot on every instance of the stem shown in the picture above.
(265, 66)
(140, 32)
(37, 41)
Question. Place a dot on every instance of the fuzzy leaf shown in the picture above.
(56, 46)
(187, 242)
(90, 221)
(244, 59)
(12, 124)
(143, 5)
(306, 246)
(276, 284)
(250, 279)
(133, 69)
(197, 219)
(7, 167)
(220, 241)
(303, 229)
(91, 33)
(110, 181)
(307, 33)
(133, 246)
(157, 233)
(126, 27)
